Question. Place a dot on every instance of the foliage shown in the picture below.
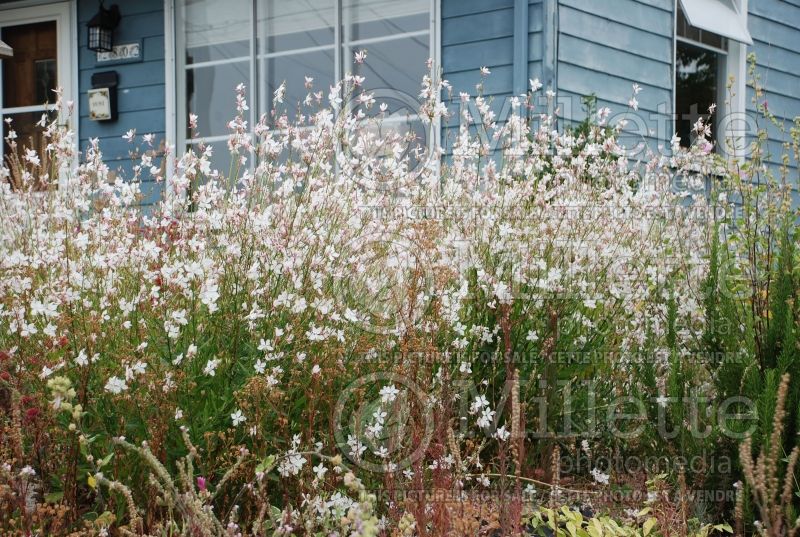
(346, 324)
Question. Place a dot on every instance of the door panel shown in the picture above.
(30, 76)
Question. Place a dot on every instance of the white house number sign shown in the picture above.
(99, 104)
(130, 51)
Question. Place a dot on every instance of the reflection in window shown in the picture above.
(263, 43)
(45, 79)
(699, 63)
(29, 78)
(296, 39)
(696, 86)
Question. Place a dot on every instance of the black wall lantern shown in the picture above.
(101, 28)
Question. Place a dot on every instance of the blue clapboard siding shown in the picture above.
(476, 33)
(140, 94)
(605, 51)
(535, 44)
(775, 28)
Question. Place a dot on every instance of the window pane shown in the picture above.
(285, 25)
(398, 64)
(211, 95)
(368, 19)
(695, 87)
(403, 120)
(295, 39)
(215, 30)
(293, 69)
(221, 159)
(29, 77)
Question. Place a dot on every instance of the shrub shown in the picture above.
(335, 295)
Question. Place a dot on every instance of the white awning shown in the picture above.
(5, 51)
(718, 16)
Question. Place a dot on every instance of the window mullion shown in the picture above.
(254, 67)
(337, 38)
(337, 68)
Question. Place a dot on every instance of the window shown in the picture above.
(263, 43)
(710, 39)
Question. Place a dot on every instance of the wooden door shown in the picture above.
(39, 37)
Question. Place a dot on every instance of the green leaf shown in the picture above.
(572, 528)
(266, 465)
(105, 460)
(105, 520)
(648, 526)
(54, 497)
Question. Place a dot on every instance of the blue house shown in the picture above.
(172, 58)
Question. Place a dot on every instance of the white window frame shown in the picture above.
(176, 68)
(65, 15)
(730, 114)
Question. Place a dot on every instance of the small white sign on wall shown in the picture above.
(99, 104)
(128, 51)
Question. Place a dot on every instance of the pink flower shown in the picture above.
(201, 483)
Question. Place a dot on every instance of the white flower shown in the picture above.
(209, 295)
(486, 418)
(116, 385)
(485, 71)
(532, 335)
(280, 93)
(178, 414)
(291, 464)
(82, 359)
(357, 448)
(237, 418)
(502, 434)
(503, 293)
(32, 157)
(320, 471)
(535, 84)
(479, 403)
(351, 315)
(27, 471)
(599, 476)
(211, 367)
(389, 393)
